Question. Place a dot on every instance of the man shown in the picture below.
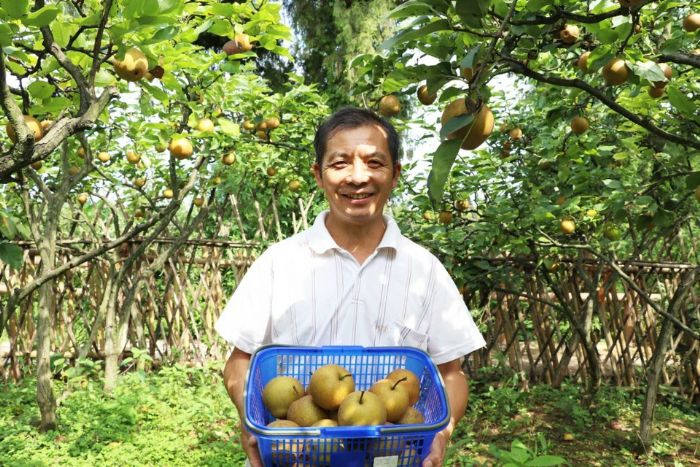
(352, 278)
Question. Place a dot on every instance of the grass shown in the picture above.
(182, 416)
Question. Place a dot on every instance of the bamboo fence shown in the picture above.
(524, 322)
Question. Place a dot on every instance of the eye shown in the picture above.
(338, 164)
(375, 163)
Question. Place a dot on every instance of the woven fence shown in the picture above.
(529, 321)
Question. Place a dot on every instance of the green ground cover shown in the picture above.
(182, 416)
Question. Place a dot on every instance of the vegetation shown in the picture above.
(182, 416)
(567, 134)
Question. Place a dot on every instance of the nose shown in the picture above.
(359, 172)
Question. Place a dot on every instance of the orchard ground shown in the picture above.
(182, 416)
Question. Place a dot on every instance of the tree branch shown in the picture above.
(98, 42)
(521, 68)
(589, 19)
(685, 59)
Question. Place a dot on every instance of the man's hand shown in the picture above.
(457, 391)
(250, 446)
(436, 456)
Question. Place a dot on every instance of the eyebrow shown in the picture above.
(344, 154)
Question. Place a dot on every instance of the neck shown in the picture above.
(360, 240)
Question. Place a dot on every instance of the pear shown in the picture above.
(279, 393)
(567, 226)
(330, 384)
(305, 412)
(361, 408)
(394, 395)
(33, 124)
(133, 67)
(569, 34)
(389, 105)
(284, 452)
(326, 422)
(579, 125)
(615, 72)
(181, 148)
(412, 383)
(424, 96)
(205, 125)
(272, 123)
(409, 457)
(411, 417)
(133, 157)
(390, 446)
(319, 453)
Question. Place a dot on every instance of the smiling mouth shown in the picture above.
(358, 195)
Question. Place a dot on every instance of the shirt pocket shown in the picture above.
(291, 326)
(409, 337)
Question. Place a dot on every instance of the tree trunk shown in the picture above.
(47, 307)
(111, 352)
(659, 358)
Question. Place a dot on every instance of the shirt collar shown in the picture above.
(320, 239)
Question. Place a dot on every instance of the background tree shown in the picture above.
(329, 35)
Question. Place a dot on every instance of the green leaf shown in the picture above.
(5, 35)
(228, 127)
(469, 59)
(546, 461)
(648, 70)
(40, 89)
(536, 5)
(41, 17)
(161, 35)
(411, 34)
(680, 101)
(455, 124)
(166, 6)
(61, 33)
(472, 11)
(222, 9)
(52, 104)
(614, 184)
(519, 455)
(443, 158)
(15, 8)
(131, 8)
(12, 255)
(693, 180)
(156, 92)
(409, 9)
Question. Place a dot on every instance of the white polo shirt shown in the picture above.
(306, 290)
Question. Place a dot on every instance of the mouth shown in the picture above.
(357, 196)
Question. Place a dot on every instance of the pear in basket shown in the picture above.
(329, 385)
(361, 408)
(305, 412)
(412, 416)
(412, 383)
(394, 394)
(279, 393)
(319, 453)
(284, 452)
(408, 457)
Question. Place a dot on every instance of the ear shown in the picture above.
(317, 175)
(395, 176)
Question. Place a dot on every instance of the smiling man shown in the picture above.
(352, 278)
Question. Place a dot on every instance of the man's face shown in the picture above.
(357, 174)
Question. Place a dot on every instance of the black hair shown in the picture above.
(354, 117)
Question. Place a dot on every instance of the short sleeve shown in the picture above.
(238, 324)
(452, 333)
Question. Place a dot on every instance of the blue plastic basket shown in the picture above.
(347, 446)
